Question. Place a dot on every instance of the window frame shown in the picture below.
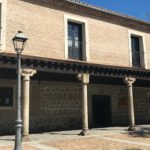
(85, 37)
(79, 50)
(14, 96)
(136, 50)
(143, 56)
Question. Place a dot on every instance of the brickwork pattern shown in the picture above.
(43, 23)
(45, 32)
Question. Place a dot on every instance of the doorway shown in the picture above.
(101, 106)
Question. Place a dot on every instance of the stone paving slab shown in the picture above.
(124, 141)
(94, 144)
(25, 147)
(99, 139)
(131, 137)
(42, 146)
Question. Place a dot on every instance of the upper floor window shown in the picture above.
(76, 38)
(136, 52)
(75, 41)
(6, 96)
(137, 49)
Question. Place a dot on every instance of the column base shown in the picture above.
(132, 128)
(25, 138)
(84, 132)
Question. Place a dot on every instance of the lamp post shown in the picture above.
(19, 43)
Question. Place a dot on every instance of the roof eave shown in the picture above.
(108, 11)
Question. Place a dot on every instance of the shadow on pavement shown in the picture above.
(141, 132)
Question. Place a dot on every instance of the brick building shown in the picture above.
(87, 67)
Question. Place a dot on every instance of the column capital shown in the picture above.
(129, 80)
(28, 72)
(84, 78)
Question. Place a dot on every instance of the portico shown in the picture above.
(62, 98)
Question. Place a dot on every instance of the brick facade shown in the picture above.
(46, 33)
(58, 105)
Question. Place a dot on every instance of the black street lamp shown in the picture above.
(19, 43)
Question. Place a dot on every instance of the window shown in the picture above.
(76, 38)
(137, 49)
(135, 45)
(6, 96)
(75, 50)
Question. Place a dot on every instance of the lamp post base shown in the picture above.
(18, 139)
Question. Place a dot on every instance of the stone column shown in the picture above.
(26, 73)
(129, 81)
(84, 78)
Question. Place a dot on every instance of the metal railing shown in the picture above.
(75, 50)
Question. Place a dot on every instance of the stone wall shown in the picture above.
(119, 114)
(119, 103)
(142, 105)
(58, 106)
(8, 114)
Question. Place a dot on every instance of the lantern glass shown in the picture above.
(19, 42)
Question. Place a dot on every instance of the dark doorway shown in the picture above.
(101, 106)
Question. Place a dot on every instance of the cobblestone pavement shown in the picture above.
(116, 138)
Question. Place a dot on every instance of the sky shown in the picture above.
(136, 8)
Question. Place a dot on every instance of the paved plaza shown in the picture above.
(114, 138)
